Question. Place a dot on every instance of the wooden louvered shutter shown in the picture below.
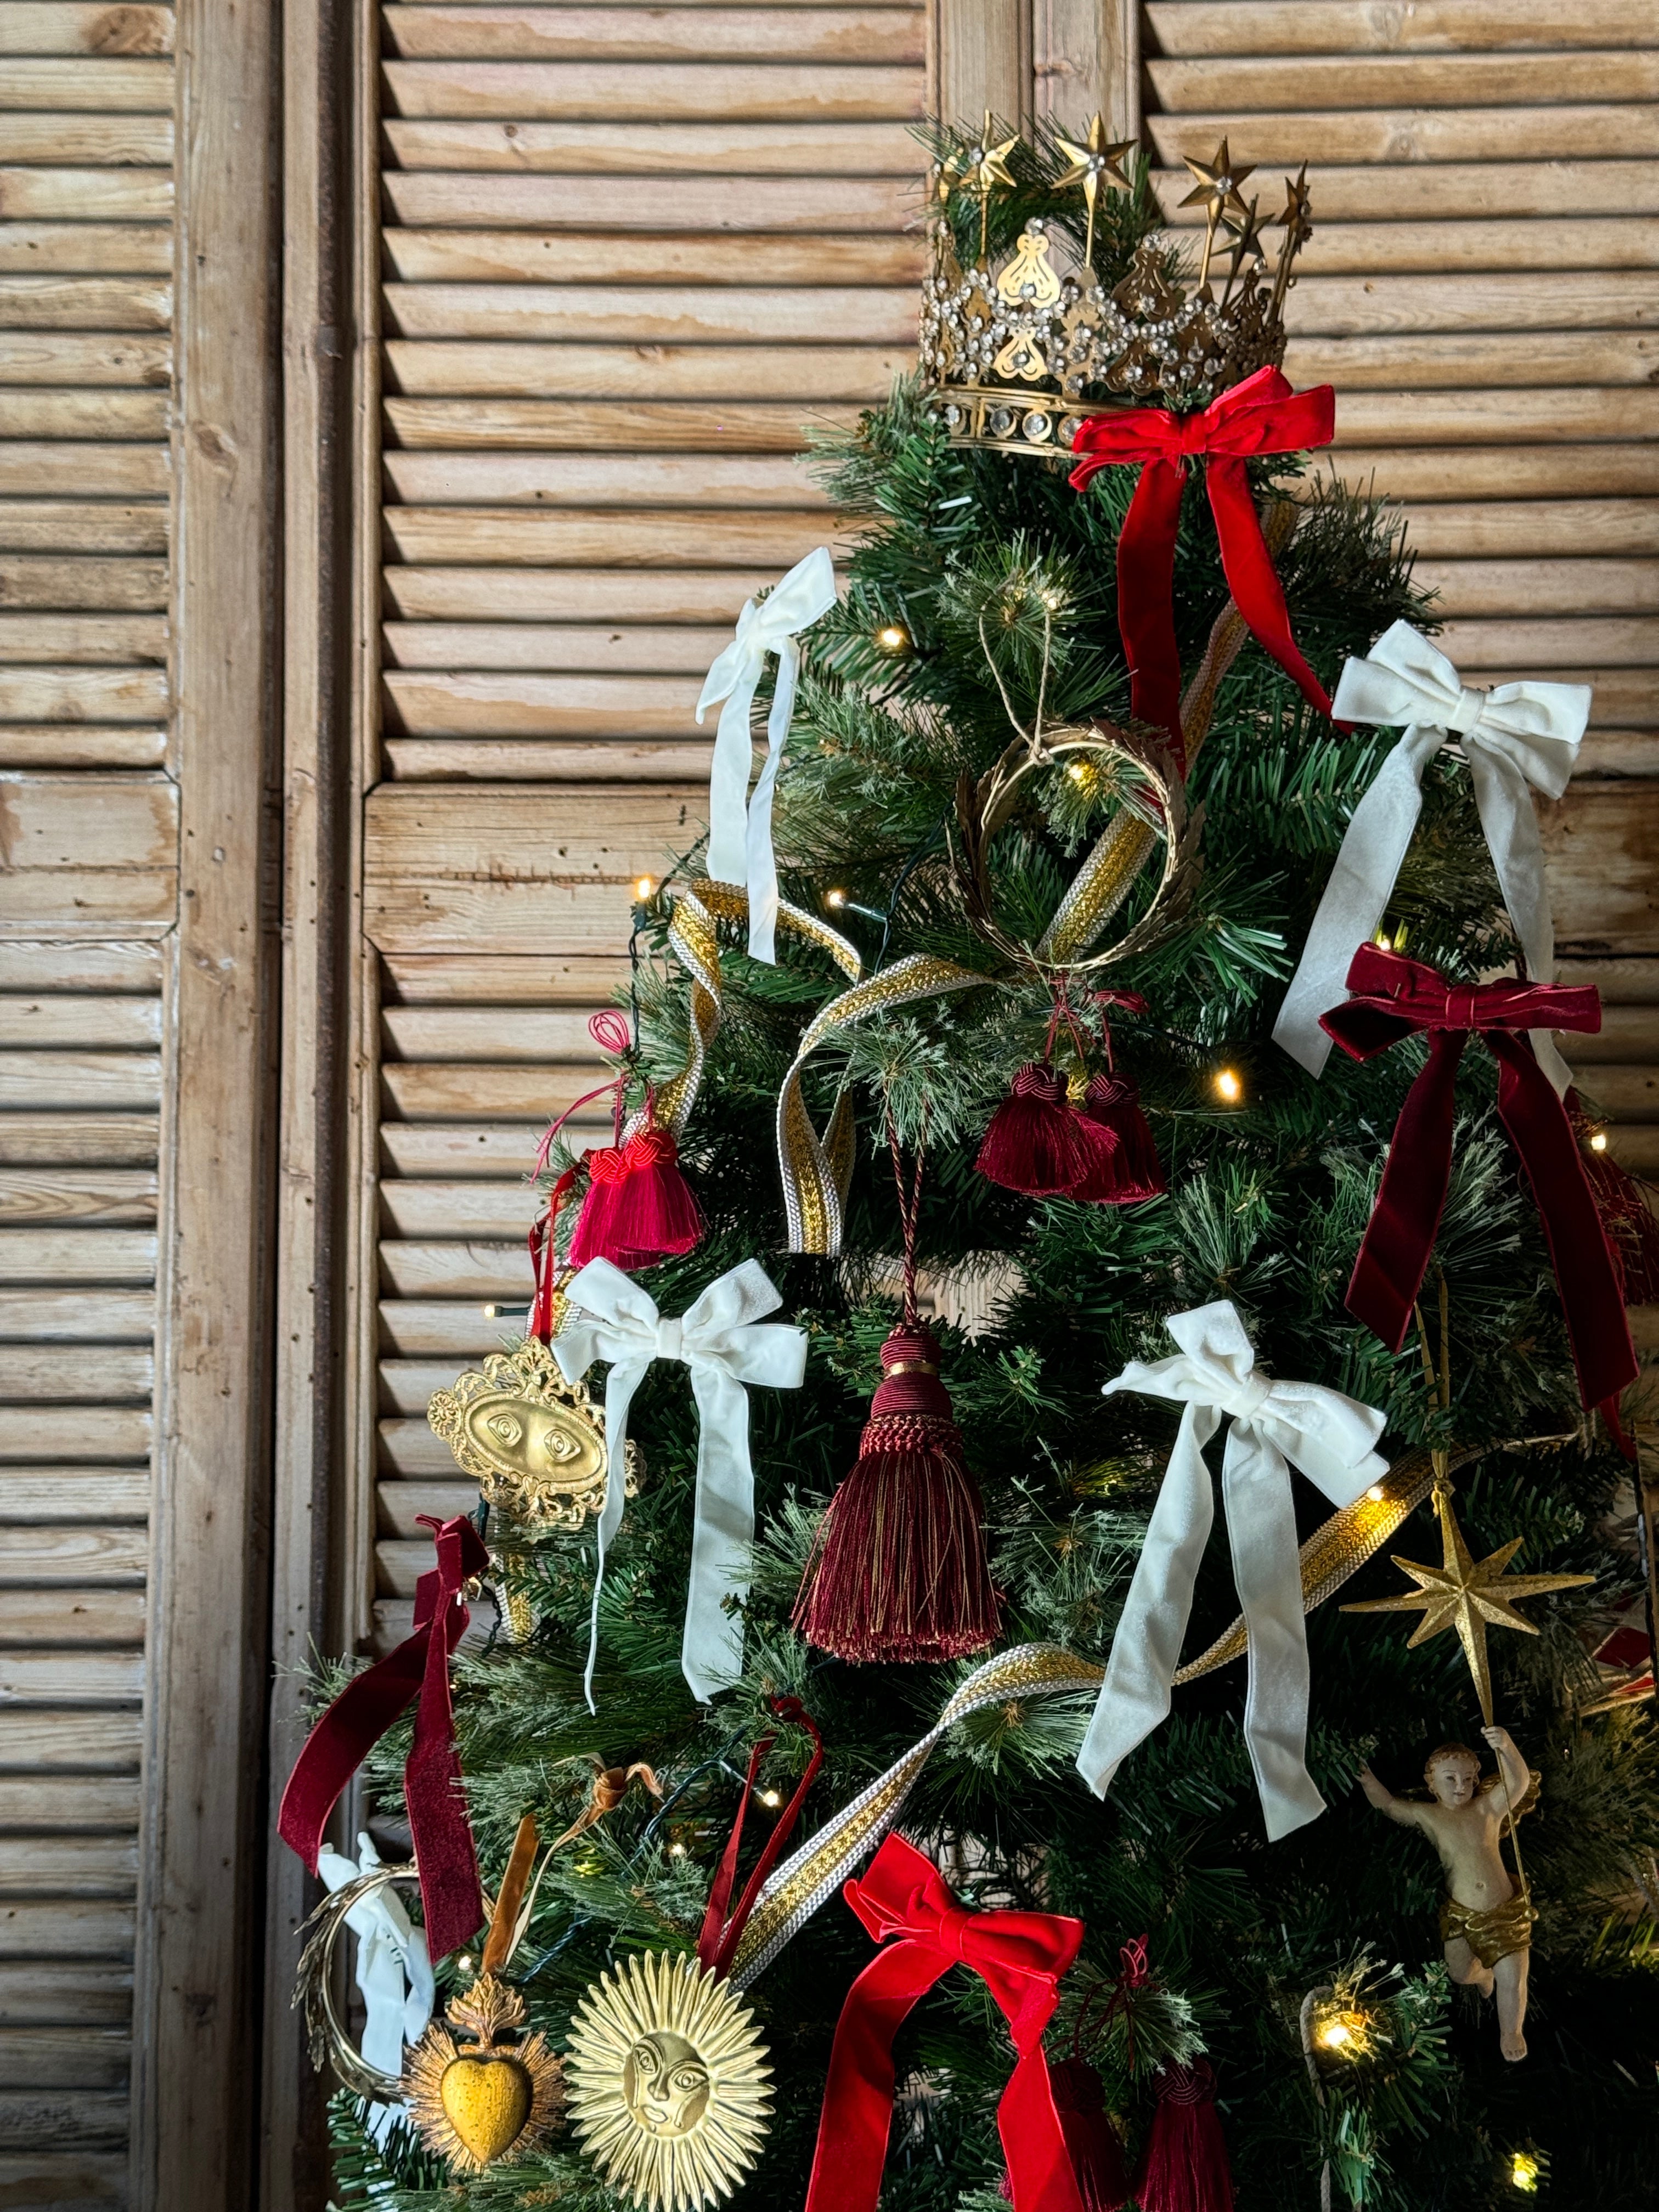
(625, 252)
(1480, 290)
(135, 728)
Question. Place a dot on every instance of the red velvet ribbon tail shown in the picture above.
(338, 1745)
(1146, 598)
(451, 1896)
(1586, 1274)
(1040, 2171)
(1394, 1254)
(1251, 577)
(858, 2093)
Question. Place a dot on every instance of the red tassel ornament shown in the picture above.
(1034, 1143)
(639, 1207)
(1102, 2179)
(898, 1570)
(1621, 1200)
(1185, 2166)
(1124, 1167)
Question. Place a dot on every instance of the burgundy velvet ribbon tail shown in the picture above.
(1394, 1254)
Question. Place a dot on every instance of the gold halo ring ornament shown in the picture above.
(533, 1441)
(667, 2080)
(313, 1990)
(1094, 754)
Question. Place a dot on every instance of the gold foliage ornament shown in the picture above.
(480, 2092)
(666, 2077)
(533, 1441)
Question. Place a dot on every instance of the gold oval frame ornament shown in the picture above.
(534, 1442)
(984, 808)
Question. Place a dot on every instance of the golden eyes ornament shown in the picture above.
(533, 1441)
(665, 2077)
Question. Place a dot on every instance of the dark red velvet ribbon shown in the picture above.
(1262, 415)
(1395, 998)
(718, 1942)
(1019, 1956)
(452, 1898)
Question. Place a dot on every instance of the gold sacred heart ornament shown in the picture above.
(489, 2100)
(533, 1441)
(666, 2079)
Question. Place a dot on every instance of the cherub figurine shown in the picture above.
(1486, 1922)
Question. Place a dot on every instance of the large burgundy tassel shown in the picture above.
(898, 1570)
(1102, 2179)
(1034, 1143)
(639, 1207)
(1125, 1168)
(1185, 2166)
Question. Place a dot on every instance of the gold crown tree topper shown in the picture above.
(1026, 330)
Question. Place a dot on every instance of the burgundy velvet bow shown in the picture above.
(1262, 415)
(1020, 1957)
(452, 1900)
(1395, 997)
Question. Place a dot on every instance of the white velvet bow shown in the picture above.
(739, 836)
(393, 1971)
(611, 1318)
(1329, 1437)
(1516, 735)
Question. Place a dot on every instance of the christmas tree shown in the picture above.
(1037, 917)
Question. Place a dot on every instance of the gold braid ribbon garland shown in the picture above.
(1338, 1547)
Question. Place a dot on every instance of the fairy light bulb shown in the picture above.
(1375, 1493)
(837, 898)
(772, 1798)
(492, 1313)
(645, 888)
(893, 637)
(1524, 2174)
(676, 1851)
(1336, 2035)
(1228, 1085)
(1382, 941)
(1598, 1142)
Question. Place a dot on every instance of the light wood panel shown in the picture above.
(89, 896)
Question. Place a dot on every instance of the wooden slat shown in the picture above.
(1574, 300)
(91, 1018)
(804, 205)
(1352, 192)
(801, 374)
(710, 596)
(62, 1495)
(48, 580)
(581, 425)
(63, 1616)
(624, 145)
(35, 745)
(84, 303)
(100, 1994)
(558, 978)
(77, 1255)
(436, 1209)
(86, 414)
(64, 357)
(1428, 133)
(68, 1317)
(1549, 417)
(1517, 528)
(78, 1557)
(71, 1680)
(1378, 80)
(478, 1269)
(140, 140)
(684, 537)
(659, 315)
(131, 194)
(52, 525)
(517, 257)
(63, 1742)
(546, 480)
(1211, 28)
(1480, 587)
(106, 637)
(864, 35)
(85, 26)
(576, 91)
(533, 761)
(529, 645)
(457, 1328)
(460, 1150)
(1393, 246)
(102, 1195)
(535, 1095)
(43, 1080)
(129, 248)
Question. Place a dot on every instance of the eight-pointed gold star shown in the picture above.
(1468, 1595)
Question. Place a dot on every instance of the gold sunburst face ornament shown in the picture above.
(666, 2081)
(480, 2092)
(533, 1441)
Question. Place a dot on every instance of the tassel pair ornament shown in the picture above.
(898, 1570)
(1184, 2165)
(1100, 1152)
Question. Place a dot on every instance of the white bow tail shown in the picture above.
(740, 827)
(1518, 734)
(393, 1971)
(722, 1338)
(1330, 1437)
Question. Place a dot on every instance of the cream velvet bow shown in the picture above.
(739, 836)
(393, 1971)
(1518, 734)
(1329, 1437)
(611, 1318)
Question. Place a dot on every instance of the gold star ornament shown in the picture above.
(1094, 163)
(1217, 182)
(1467, 1594)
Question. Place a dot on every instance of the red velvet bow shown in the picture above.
(1020, 1957)
(451, 1900)
(1262, 415)
(1395, 997)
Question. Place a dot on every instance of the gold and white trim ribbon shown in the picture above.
(740, 824)
(610, 1317)
(1275, 1424)
(1516, 735)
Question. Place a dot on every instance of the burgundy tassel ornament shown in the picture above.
(1124, 1167)
(1034, 1143)
(898, 1570)
(639, 1207)
(1621, 1200)
(1102, 2179)
(1185, 2166)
